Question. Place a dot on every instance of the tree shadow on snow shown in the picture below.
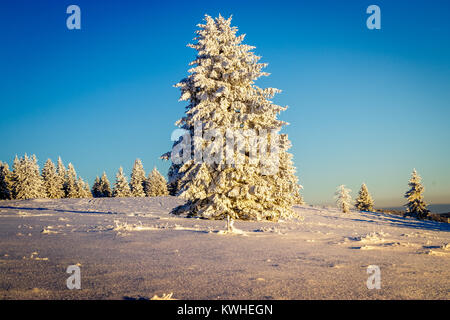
(58, 210)
(405, 222)
(140, 298)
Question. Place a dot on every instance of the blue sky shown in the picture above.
(364, 105)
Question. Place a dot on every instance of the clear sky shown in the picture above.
(364, 105)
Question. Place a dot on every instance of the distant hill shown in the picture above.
(435, 208)
(441, 217)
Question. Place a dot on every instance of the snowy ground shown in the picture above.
(131, 248)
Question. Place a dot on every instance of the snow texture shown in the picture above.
(132, 248)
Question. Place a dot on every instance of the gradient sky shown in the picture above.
(364, 105)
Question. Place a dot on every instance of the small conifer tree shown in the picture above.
(82, 189)
(26, 180)
(121, 186)
(156, 184)
(96, 192)
(61, 178)
(137, 179)
(416, 206)
(87, 190)
(70, 185)
(343, 198)
(5, 182)
(364, 201)
(105, 186)
(50, 179)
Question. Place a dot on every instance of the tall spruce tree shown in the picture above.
(87, 190)
(137, 179)
(105, 186)
(61, 178)
(222, 95)
(5, 182)
(96, 192)
(17, 178)
(38, 185)
(70, 185)
(121, 186)
(27, 181)
(156, 184)
(364, 201)
(299, 198)
(416, 206)
(343, 198)
(82, 189)
(51, 180)
(287, 171)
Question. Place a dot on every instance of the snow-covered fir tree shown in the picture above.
(222, 95)
(18, 176)
(299, 199)
(79, 185)
(137, 179)
(51, 180)
(416, 206)
(70, 184)
(38, 190)
(121, 186)
(87, 190)
(343, 198)
(26, 179)
(61, 178)
(156, 184)
(5, 182)
(96, 192)
(287, 170)
(83, 189)
(364, 201)
(105, 186)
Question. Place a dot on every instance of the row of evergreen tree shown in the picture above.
(364, 201)
(26, 181)
(415, 206)
(140, 186)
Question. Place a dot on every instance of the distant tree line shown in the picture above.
(140, 185)
(415, 207)
(25, 181)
